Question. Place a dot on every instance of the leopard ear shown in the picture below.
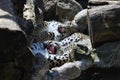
(45, 23)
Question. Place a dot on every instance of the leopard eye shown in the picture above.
(51, 35)
(58, 46)
(45, 23)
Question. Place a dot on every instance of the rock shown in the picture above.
(109, 55)
(96, 3)
(104, 0)
(80, 20)
(18, 6)
(40, 67)
(51, 9)
(29, 11)
(19, 68)
(33, 12)
(12, 36)
(67, 9)
(66, 71)
(84, 3)
(105, 23)
(69, 70)
(8, 72)
(48, 8)
(25, 61)
(25, 64)
(39, 15)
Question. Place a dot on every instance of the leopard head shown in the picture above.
(54, 30)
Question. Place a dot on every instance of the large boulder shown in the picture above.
(108, 55)
(105, 22)
(84, 3)
(80, 20)
(18, 6)
(12, 36)
(96, 3)
(13, 43)
(48, 7)
(67, 9)
(9, 72)
(104, 0)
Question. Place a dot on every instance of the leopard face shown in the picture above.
(52, 59)
(69, 44)
(54, 30)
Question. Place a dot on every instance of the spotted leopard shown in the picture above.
(53, 60)
(53, 30)
(69, 44)
(58, 53)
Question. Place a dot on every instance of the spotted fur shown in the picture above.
(65, 49)
(68, 44)
(54, 30)
(53, 60)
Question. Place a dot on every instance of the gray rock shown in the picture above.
(80, 20)
(33, 12)
(18, 7)
(38, 11)
(13, 38)
(29, 11)
(49, 9)
(96, 3)
(109, 55)
(104, 0)
(14, 42)
(84, 3)
(66, 71)
(70, 70)
(67, 9)
(105, 23)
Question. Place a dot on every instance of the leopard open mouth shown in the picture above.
(61, 29)
(51, 49)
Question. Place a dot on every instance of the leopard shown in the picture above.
(68, 44)
(52, 59)
(58, 53)
(54, 30)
